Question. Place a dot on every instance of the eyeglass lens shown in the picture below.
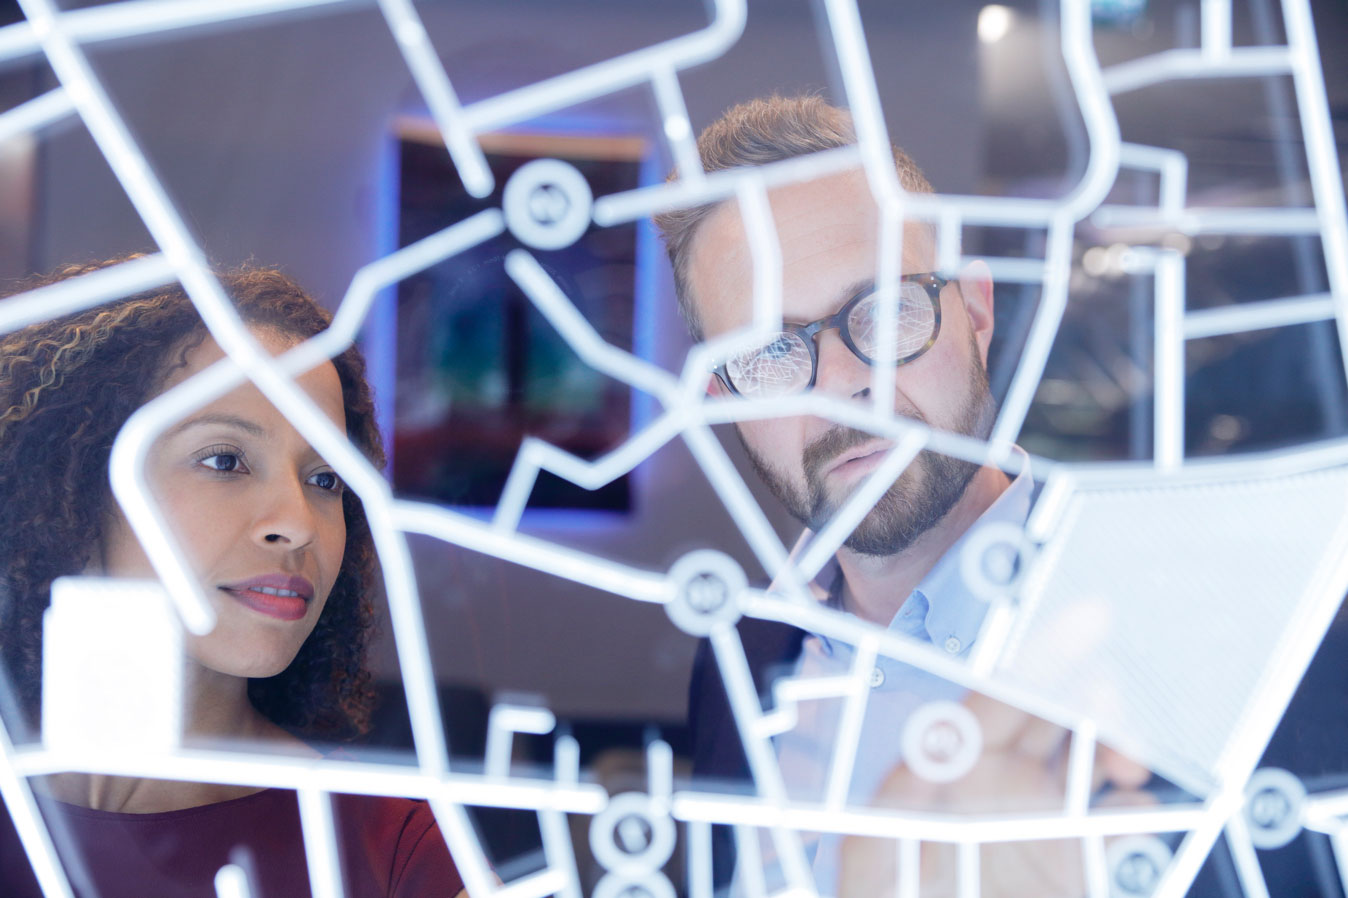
(785, 364)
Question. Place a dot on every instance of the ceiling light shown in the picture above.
(994, 21)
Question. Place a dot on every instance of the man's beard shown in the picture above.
(917, 501)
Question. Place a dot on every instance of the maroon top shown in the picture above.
(389, 847)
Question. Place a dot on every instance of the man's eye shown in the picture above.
(326, 480)
(780, 348)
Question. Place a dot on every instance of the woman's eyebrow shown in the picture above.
(247, 426)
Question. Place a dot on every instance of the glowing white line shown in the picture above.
(678, 127)
(536, 455)
(611, 75)
(831, 537)
(1322, 808)
(758, 751)
(813, 617)
(435, 87)
(1253, 316)
(580, 335)
(1193, 850)
(1080, 767)
(538, 885)
(503, 722)
(788, 692)
(863, 98)
(1096, 867)
(1216, 45)
(948, 243)
(739, 502)
(568, 564)
(559, 851)
(910, 867)
(469, 859)
(749, 863)
(1011, 270)
(1169, 335)
(1171, 165)
(79, 293)
(659, 771)
(320, 843)
(862, 416)
(348, 777)
(699, 859)
(1246, 861)
(1339, 840)
(17, 797)
(36, 113)
(1038, 344)
(142, 18)
(967, 861)
(1294, 655)
(566, 761)
(126, 467)
(396, 266)
(888, 269)
(848, 737)
(1196, 220)
(1175, 64)
(619, 208)
(1321, 154)
(1102, 128)
(1029, 827)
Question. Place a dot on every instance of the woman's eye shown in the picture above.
(326, 480)
(223, 462)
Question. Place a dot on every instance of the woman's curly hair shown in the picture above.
(66, 388)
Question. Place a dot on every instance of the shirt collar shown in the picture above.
(951, 615)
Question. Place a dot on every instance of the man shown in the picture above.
(899, 569)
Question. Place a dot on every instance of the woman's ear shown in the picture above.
(715, 387)
(976, 289)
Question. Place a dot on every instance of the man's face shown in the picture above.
(827, 230)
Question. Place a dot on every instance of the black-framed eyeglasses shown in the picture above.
(789, 361)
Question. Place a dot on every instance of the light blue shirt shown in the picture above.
(941, 611)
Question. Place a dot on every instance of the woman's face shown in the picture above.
(256, 510)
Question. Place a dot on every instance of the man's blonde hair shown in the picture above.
(768, 129)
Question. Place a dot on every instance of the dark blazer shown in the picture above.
(718, 754)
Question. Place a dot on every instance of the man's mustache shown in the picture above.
(833, 442)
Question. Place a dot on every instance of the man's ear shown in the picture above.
(976, 290)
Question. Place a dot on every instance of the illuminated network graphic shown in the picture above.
(1083, 563)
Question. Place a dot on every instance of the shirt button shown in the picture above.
(953, 645)
(877, 678)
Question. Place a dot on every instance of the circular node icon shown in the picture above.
(630, 838)
(1136, 865)
(1273, 802)
(616, 885)
(941, 741)
(994, 560)
(547, 204)
(706, 585)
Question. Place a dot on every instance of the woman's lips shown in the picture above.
(276, 595)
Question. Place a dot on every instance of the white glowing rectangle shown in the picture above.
(111, 666)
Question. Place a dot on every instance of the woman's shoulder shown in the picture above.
(399, 841)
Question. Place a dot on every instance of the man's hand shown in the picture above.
(1022, 768)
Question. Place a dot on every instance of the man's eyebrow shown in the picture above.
(247, 426)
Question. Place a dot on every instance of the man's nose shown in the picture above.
(840, 372)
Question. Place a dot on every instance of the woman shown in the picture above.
(283, 552)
